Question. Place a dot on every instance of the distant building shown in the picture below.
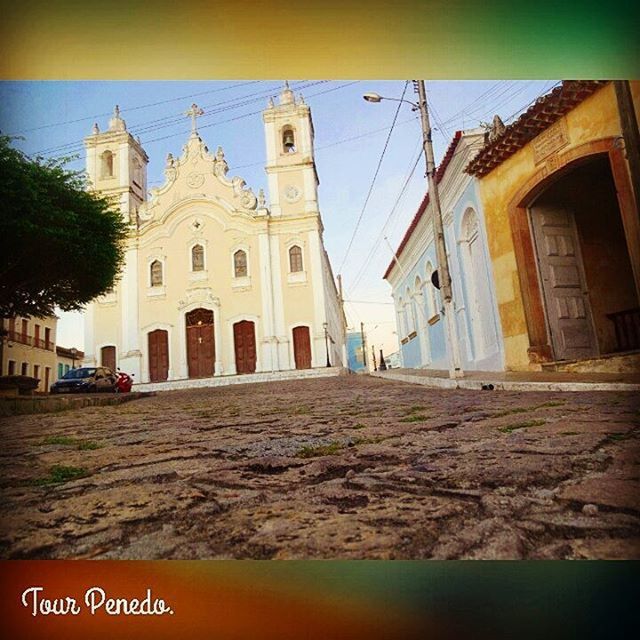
(67, 359)
(419, 312)
(356, 351)
(29, 349)
(393, 360)
(563, 228)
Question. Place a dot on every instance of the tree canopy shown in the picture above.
(60, 245)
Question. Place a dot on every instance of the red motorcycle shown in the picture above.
(124, 382)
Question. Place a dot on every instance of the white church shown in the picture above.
(218, 281)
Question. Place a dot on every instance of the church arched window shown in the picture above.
(240, 264)
(106, 170)
(295, 259)
(155, 273)
(197, 258)
(288, 140)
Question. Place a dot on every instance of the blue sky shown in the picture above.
(54, 116)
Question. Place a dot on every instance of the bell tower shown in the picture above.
(291, 169)
(117, 165)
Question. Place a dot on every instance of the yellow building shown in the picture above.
(30, 349)
(563, 228)
(216, 281)
(67, 359)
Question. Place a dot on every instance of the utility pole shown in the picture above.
(364, 347)
(373, 354)
(444, 275)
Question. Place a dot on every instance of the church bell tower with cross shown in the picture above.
(291, 168)
(117, 165)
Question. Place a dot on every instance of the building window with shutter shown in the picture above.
(156, 273)
(240, 264)
(295, 259)
(197, 258)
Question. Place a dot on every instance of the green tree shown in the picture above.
(60, 245)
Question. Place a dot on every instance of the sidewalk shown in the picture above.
(517, 380)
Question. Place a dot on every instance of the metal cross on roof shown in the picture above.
(193, 113)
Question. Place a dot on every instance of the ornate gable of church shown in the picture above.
(200, 176)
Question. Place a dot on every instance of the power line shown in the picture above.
(384, 150)
(154, 125)
(374, 246)
(77, 146)
(142, 106)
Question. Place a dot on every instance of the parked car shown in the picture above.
(86, 379)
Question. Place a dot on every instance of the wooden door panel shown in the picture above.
(158, 355)
(563, 283)
(245, 346)
(302, 347)
(200, 343)
(108, 357)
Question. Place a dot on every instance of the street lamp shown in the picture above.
(74, 353)
(444, 275)
(326, 343)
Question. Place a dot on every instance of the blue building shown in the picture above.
(419, 310)
(356, 352)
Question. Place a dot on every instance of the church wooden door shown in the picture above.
(563, 283)
(108, 357)
(302, 347)
(244, 337)
(200, 343)
(158, 355)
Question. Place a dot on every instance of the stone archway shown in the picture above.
(544, 189)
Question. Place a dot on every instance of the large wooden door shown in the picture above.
(200, 343)
(108, 357)
(158, 355)
(563, 283)
(244, 337)
(302, 347)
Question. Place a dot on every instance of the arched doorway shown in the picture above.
(200, 343)
(582, 258)
(108, 357)
(158, 341)
(244, 338)
(302, 347)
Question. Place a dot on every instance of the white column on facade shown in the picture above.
(319, 302)
(130, 354)
(274, 194)
(231, 350)
(181, 344)
(123, 164)
(268, 345)
(89, 339)
(310, 190)
(282, 359)
(217, 336)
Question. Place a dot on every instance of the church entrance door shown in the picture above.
(244, 337)
(200, 343)
(302, 347)
(158, 355)
(108, 357)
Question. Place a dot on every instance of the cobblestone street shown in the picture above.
(343, 467)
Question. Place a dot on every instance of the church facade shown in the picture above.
(216, 281)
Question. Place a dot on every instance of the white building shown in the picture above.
(217, 281)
